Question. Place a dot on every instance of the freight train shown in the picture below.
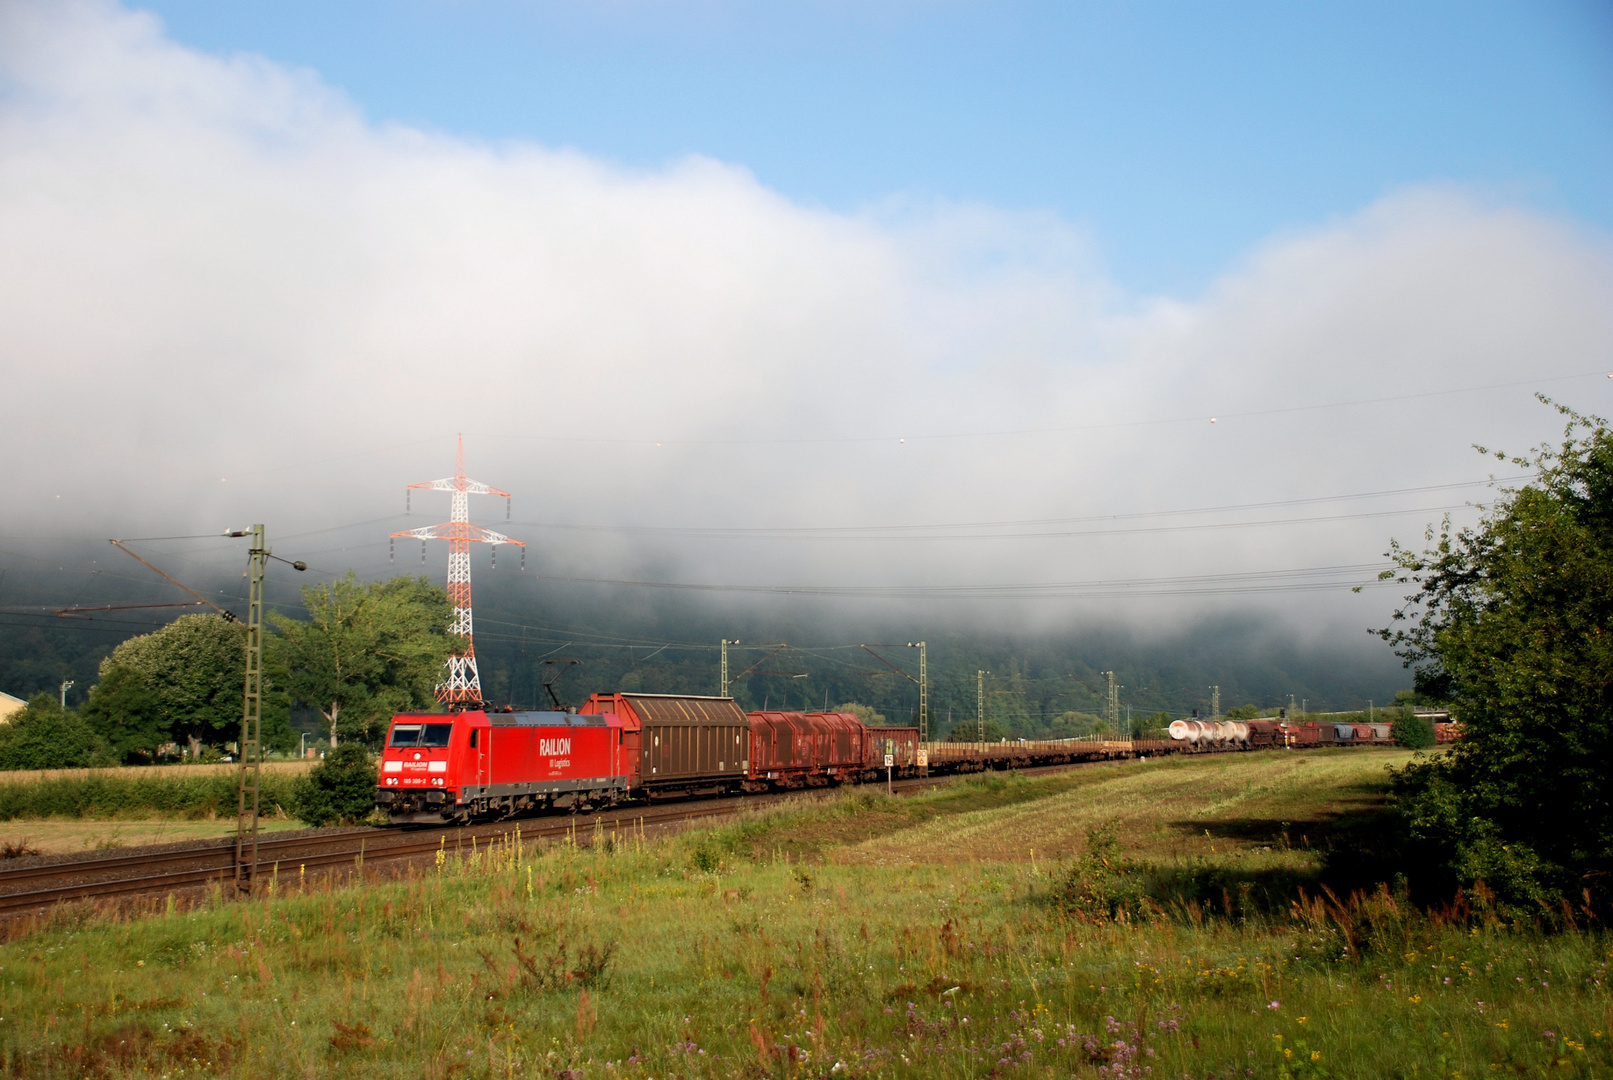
(441, 768)
(478, 765)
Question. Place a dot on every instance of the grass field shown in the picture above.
(857, 937)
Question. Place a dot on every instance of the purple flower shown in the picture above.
(1275, 1005)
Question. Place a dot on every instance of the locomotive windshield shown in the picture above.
(421, 735)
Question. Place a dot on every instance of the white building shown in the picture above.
(9, 705)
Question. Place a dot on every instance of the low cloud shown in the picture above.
(226, 295)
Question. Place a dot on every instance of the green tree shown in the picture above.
(1511, 623)
(969, 731)
(1242, 712)
(43, 735)
(866, 713)
(367, 651)
(1412, 731)
(1073, 724)
(126, 711)
(196, 665)
(340, 790)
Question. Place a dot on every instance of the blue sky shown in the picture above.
(1179, 136)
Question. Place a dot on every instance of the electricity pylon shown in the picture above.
(980, 706)
(1112, 710)
(462, 684)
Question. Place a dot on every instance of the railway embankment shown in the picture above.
(1157, 914)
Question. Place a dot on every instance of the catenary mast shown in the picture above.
(461, 687)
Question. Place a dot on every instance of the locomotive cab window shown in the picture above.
(405, 735)
(430, 735)
(473, 733)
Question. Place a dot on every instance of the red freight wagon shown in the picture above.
(902, 743)
(1267, 733)
(790, 749)
(1311, 733)
(679, 744)
(475, 764)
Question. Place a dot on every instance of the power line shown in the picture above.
(1308, 579)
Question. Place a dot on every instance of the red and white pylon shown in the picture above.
(462, 686)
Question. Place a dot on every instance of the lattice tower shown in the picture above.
(462, 683)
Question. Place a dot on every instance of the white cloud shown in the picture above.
(218, 268)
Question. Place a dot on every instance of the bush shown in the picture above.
(174, 792)
(339, 790)
(46, 736)
(1103, 885)
(1413, 732)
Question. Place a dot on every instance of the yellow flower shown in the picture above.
(1316, 1055)
(1415, 999)
(1288, 1053)
(1302, 1019)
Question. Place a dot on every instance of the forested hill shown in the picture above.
(673, 648)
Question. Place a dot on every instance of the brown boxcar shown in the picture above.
(790, 749)
(683, 745)
(902, 743)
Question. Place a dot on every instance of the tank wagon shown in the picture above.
(1196, 735)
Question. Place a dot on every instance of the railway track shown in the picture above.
(27, 890)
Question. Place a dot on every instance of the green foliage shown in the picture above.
(1156, 726)
(1102, 884)
(367, 651)
(866, 713)
(969, 731)
(196, 665)
(1512, 624)
(1071, 725)
(169, 791)
(43, 735)
(340, 790)
(126, 710)
(1243, 712)
(1412, 731)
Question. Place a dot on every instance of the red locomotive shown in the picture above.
(472, 764)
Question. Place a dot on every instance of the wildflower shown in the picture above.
(1275, 1005)
(1316, 1055)
(1302, 1019)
